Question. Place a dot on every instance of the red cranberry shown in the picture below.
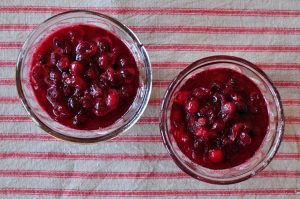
(177, 116)
(100, 108)
(192, 106)
(228, 109)
(235, 131)
(86, 48)
(58, 42)
(76, 68)
(80, 83)
(63, 63)
(218, 126)
(200, 92)
(216, 155)
(104, 61)
(245, 139)
(181, 135)
(202, 133)
(202, 121)
(181, 97)
(38, 74)
(112, 100)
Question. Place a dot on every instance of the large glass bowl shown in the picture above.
(36, 112)
(270, 144)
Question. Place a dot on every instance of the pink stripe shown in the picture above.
(223, 48)
(9, 100)
(286, 102)
(143, 120)
(285, 84)
(9, 63)
(148, 193)
(82, 156)
(198, 47)
(157, 11)
(215, 30)
(164, 83)
(125, 175)
(184, 29)
(265, 66)
(17, 26)
(45, 137)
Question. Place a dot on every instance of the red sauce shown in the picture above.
(219, 118)
(84, 77)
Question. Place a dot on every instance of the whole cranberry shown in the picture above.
(63, 63)
(203, 133)
(192, 105)
(245, 139)
(79, 83)
(181, 97)
(112, 100)
(100, 108)
(77, 68)
(104, 60)
(228, 109)
(216, 155)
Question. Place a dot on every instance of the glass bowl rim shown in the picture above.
(164, 118)
(125, 126)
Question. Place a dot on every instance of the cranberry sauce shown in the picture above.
(219, 118)
(84, 76)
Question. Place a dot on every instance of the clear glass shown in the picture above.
(36, 112)
(270, 144)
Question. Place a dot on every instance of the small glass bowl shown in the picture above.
(37, 113)
(270, 144)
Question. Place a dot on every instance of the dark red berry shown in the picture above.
(245, 139)
(79, 83)
(181, 97)
(63, 63)
(112, 100)
(215, 155)
(77, 68)
(192, 106)
(104, 61)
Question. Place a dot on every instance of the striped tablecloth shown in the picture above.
(136, 164)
